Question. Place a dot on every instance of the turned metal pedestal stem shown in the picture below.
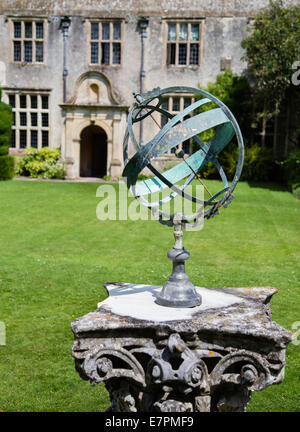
(178, 291)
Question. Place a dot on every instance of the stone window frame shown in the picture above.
(22, 39)
(99, 41)
(181, 96)
(188, 42)
(25, 114)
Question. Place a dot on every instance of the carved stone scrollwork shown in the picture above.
(235, 377)
(177, 366)
(104, 364)
(242, 368)
(175, 378)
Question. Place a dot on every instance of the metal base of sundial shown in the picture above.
(178, 291)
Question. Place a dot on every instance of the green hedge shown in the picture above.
(6, 161)
(6, 167)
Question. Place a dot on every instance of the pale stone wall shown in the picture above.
(225, 26)
(136, 7)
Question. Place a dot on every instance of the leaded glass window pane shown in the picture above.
(116, 53)
(34, 139)
(39, 53)
(45, 139)
(28, 30)
(171, 32)
(17, 29)
(39, 30)
(94, 31)
(23, 101)
(28, 51)
(176, 104)
(105, 53)
(33, 101)
(195, 32)
(194, 54)
(182, 54)
(23, 119)
(183, 32)
(12, 100)
(34, 119)
(45, 102)
(94, 53)
(105, 31)
(117, 31)
(23, 139)
(45, 121)
(17, 51)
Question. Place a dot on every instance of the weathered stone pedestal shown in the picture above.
(207, 358)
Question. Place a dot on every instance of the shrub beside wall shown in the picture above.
(41, 163)
(291, 168)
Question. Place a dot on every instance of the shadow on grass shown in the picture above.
(268, 185)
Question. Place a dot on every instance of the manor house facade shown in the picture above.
(69, 69)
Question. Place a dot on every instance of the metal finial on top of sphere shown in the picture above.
(178, 291)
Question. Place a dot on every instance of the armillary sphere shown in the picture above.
(179, 128)
(178, 291)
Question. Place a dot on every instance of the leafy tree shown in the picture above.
(6, 161)
(235, 92)
(271, 49)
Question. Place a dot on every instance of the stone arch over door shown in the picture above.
(93, 152)
(94, 88)
(94, 104)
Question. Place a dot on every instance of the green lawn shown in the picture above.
(56, 256)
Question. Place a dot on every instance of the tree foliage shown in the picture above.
(271, 49)
(6, 161)
(5, 123)
(235, 92)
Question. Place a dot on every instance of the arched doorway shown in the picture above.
(93, 152)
